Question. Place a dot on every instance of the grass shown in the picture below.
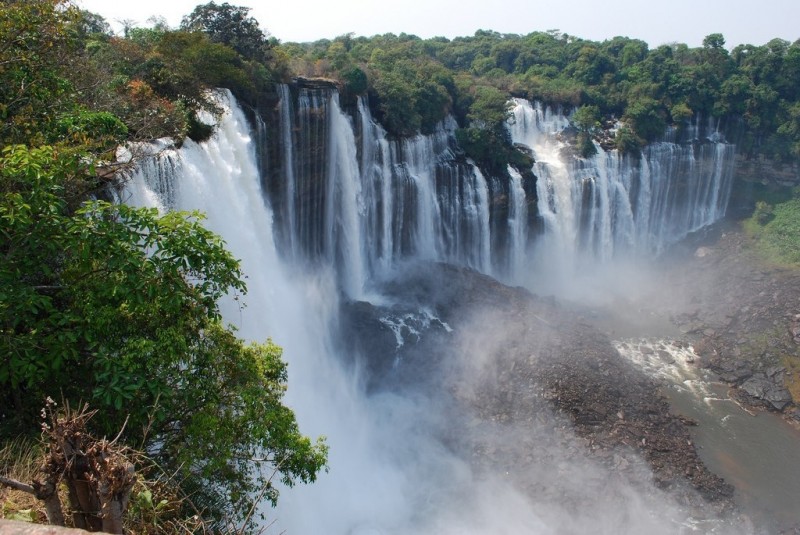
(19, 460)
(776, 229)
(792, 364)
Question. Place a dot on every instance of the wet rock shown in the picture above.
(733, 372)
(757, 386)
(769, 390)
(546, 368)
(778, 397)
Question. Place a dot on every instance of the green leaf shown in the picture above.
(23, 515)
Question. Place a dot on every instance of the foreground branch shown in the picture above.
(16, 485)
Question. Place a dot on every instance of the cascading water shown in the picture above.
(517, 224)
(350, 198)
(362, 207)
(359, 203)
(615, 206)
(612, 204)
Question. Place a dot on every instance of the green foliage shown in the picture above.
(356, 80)
(198, 130)
(115, 305)
(231, 26)
(118, 306)
(184, 66)
(486, 139)
(35, 43)
(587, 118)
(100, 130)
(412, 94)
(645, 116)
(489, 108)
(412, 83)
(777, 230)
(627, 142)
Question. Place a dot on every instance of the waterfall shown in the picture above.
(613, 205)
(389, 474)
(297, 310)
(517, 224)
(363, 202)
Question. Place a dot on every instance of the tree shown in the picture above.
(115, 305)
(230, 25)
(118, 306)
(35, 42)
(97, 473)
(587, 120)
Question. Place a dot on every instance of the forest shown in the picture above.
(112, 312)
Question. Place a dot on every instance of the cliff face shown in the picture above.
(766, 172)
(347, 194)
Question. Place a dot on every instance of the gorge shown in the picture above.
(453, 403)
(497, 283)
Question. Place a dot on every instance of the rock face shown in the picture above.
(767, 171)
(768, 389)
(505, 359)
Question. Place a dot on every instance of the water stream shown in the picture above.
(756, 451)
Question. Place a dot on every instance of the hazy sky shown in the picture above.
(655, 21)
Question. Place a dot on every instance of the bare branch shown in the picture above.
(17, 485)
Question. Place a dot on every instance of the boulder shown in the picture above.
(769, 390)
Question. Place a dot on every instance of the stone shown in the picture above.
(757, 386)
(778, 397)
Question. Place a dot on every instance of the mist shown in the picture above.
(455, 430)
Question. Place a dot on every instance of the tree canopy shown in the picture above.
(751, 90)
(229, 25)
(117, 306)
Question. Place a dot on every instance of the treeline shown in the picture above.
(754, 91)
(155, 78)
(117, 306)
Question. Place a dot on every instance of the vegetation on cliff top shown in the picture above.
(775, 224)
(752, 91)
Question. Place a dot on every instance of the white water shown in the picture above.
(517, 225)
(389, 474)
(613, 206)
(366, 206)
(755, 451)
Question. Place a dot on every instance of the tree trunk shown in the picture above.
(52, 507)
(114, 490)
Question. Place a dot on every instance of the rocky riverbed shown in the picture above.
(533, 390)
(742, 316)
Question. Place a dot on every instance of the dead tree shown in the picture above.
(97, 474)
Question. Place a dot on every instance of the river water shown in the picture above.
(756, 451)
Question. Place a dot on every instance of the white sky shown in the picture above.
(655, 21)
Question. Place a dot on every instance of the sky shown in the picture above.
(655, 21)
